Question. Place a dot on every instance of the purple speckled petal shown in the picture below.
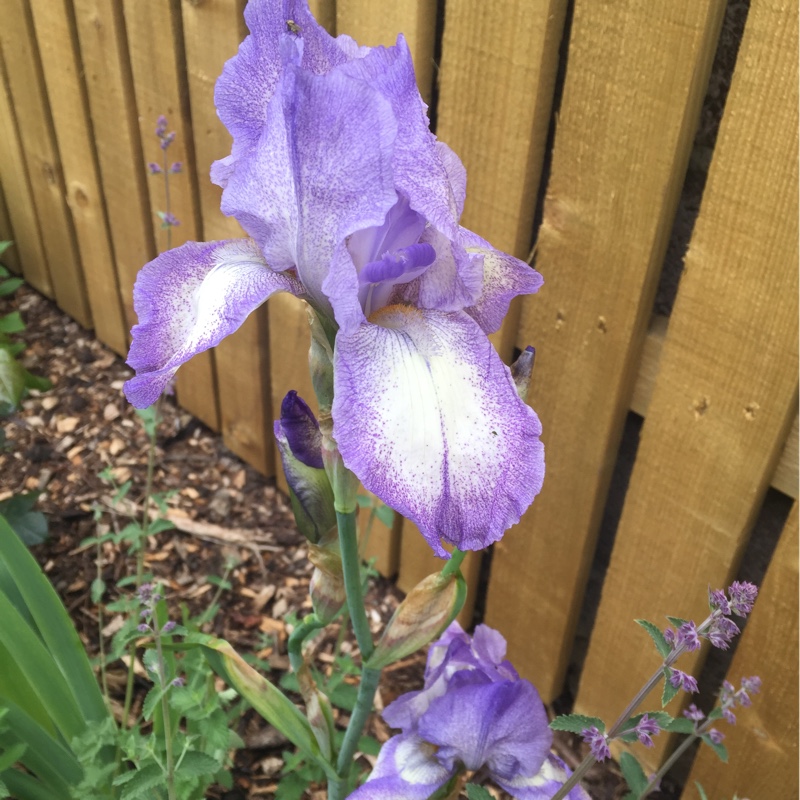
(427, 416)
(544, 784)
(504, 277)
(478, 722)
(189, 299)
(406, 769)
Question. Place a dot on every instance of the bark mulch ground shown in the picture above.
(224, 511)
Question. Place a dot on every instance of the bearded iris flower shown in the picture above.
(352, 204)
(474, 711)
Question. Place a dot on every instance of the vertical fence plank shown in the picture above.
(9, 258)
(499, 63)
(109, 85)
(212, 33)
(324, 12)
(62, 68)
(763, 744)
(155, 37)
(19, 198)
(379, 23)
(42, 160)
(727, 386)
(633, 90)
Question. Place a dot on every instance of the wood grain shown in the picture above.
(109, 85)
(22, 216)
(376, 24)
(42, 159)
(10, 258)
(611, 200)
(155, 39)
(726, 392)
(763, 745)
(58, 48)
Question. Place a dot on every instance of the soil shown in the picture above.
(224, 511)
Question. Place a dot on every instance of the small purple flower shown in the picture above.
(176, 168)
(729, 716)
(687, 636)
(716, 736)
(143, 628)
(178, 682)
(752, 685)
(354, 205)
(681, 680)
(154, 168)
(161, 126)
(694, 713)
(670, 636)
(717, 601)
(646, 729)
(742, 597)
(721, 632)
(169, 220)
(169, 627)
(597, 742)
(167, 140)
(473, 711)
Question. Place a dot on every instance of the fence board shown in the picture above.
(58, 49)
(763, 744)
(41, 158)
(499, 64)
(109, 85)
(156, 53)
(19, 198)
(212, 33)
(375, 24)
(724, 399)
(610, 203)
(324, 12)
(9, 258)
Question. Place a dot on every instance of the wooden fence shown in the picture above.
(602, 98)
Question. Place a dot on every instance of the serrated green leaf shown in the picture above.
(677, 621)
(12, 379)
(152, 699)
(715, 713)
(719, 749)
(291, 787)
(633, 773)
(577, 723)
(159, 525)
(475, 792)
(680, 725)
(98, 589)
(657, 636)
(669, 690)
(137, 783)
(196, 764)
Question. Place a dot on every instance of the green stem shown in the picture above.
(165, 711)
(358, 719)
(304, 629)
(148, 490)
(348, 544)
(454, 564)
(667, 765)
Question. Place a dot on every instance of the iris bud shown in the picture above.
(424, 614)
(521, 371)
(299, 444)
(327, 590)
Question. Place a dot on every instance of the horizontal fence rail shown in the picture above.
(576, 122)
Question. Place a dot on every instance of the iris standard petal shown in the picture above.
(188, 300)
(504, 277)
(502, 725)
(427, 416)
(406, 769)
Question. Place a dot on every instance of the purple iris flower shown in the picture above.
(474, 711)
(353, 205)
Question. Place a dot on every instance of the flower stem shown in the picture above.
(302, 631)
(165, 711)
(667, 765)
(348, 544)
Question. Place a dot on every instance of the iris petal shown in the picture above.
(427, 415)
(188, 300)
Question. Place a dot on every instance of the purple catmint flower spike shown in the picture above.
(681, 680)
(597, 742)
(742, 595)
(687, 636)
(646, 729)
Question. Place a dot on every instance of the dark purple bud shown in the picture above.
(154, 168)
(597, 742)
(742, 595)
(301, 429)
(176, 167)
(521, 371)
